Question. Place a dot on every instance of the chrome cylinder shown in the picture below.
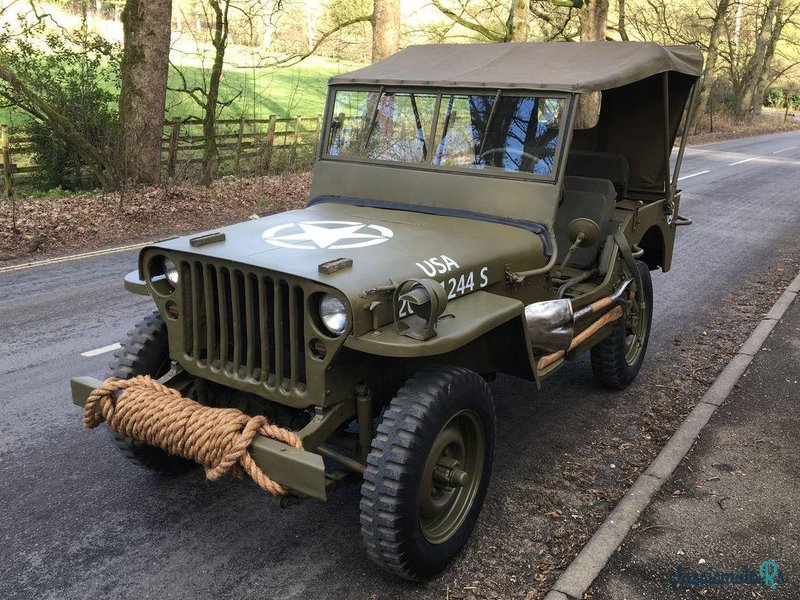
(550, 325)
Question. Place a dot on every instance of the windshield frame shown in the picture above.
(435, 135)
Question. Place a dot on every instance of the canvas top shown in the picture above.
(554, 66)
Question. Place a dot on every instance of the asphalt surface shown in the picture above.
(77, 521)
(732, 503)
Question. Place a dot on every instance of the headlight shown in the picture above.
(333, 313)
(171, 271)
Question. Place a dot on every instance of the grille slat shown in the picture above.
(263, 318)
(236, 320)
(248, 325)
(251, 327)
(293, 335)
(277, 325)
(196, 316)
(208, 300)
(222, 302)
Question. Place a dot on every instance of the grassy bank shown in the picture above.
(253, 92)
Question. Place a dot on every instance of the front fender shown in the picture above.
(473, 316)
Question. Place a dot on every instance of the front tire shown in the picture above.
(617, 359)
(428, 472)
(145, 351)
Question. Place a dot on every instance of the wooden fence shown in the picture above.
(17, 155)
(246, 146)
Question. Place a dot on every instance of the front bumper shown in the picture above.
(298, 470)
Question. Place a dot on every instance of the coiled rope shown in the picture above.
(217, 438)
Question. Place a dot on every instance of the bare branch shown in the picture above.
(288, 61)
(476, 27)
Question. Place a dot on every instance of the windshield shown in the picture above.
(498, 132)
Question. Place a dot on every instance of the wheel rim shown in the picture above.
(452, 475)
(636, 326)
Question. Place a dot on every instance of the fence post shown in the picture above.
(711, 113)
(8, 174)
(239, 139)
(317, 133)
(8, 177)
(296, 139)
(269, 144)
(786, 114)
(174, 138)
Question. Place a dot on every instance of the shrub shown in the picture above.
(775, 98)
(76, 77)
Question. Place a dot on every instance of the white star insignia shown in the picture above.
(320, 234)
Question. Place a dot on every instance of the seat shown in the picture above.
(600, 165)
(588, 198)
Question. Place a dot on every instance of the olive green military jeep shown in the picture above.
(466, 219)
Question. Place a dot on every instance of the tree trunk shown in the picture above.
(385, 29)
(594, 20)
(145, 65)
(761, 86)
(219, 40)
(711, 59)
(756, 67)
(623, 32)
(517, 26)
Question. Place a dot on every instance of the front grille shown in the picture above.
(247, 325)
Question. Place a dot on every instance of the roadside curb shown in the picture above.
(579, 575)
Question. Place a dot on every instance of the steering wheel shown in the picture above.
(506, 149)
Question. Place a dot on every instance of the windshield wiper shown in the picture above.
(489, 122)
(374, 117)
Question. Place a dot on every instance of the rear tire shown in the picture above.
(617, 359)
(428, 472)
(145, 351)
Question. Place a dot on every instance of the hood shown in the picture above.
(383, 244)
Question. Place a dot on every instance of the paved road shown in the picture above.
(732, 502)
(77, 521)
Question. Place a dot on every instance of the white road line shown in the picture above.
(99, 351)
(693, 175)
(61, 259)
(739, 162)
(785, 149)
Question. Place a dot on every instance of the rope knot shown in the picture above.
(217, 438)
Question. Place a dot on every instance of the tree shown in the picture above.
(385, 29)
(783, 15)
(593, 17)
(518, 24)
(709, 71)
(145, 66)
(594, 20)
(756, 64)
(61, 81)
(207, 96)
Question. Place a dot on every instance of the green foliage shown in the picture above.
(775, 98)
(77, 77)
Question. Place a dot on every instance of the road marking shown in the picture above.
(61, 259)
(693, 175)
(739, 162)
(785, 149)
(99, 351)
